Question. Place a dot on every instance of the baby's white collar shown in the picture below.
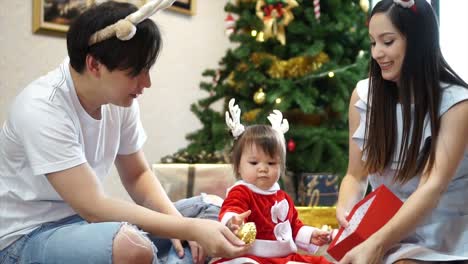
(273, 189)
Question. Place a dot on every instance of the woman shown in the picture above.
(408, 130)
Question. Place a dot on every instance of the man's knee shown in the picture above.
(131, 246)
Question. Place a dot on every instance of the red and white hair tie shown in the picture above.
(406, 4)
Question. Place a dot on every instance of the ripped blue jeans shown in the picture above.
(73, 240)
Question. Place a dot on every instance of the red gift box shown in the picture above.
(366, 217)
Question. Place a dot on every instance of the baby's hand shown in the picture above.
(320, 237)
(236, 221)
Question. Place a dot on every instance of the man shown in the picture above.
(64, 132)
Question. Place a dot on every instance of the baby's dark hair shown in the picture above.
(265, 138)
(137, 54)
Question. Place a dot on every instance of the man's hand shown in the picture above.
(198, 255)
(217, 240)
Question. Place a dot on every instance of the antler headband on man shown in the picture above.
(125, 29)
(233, 120)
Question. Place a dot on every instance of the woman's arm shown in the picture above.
(354, 183)
(450, 148)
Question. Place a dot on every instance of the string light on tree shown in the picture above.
(331, 74)
(278, 100)
(259, 96)
(361, 54)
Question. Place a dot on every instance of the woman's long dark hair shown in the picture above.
(422, 72)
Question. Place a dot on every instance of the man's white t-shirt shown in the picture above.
(47, 130)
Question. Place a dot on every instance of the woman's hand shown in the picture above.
(368, 252)
(341, 215)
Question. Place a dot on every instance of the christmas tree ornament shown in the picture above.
(230, 80)
(251, 115)
(276, 15)
(364, 5)
(317, 9)
(260, 36)
(259, 97)
(291, 145)
(230, 24)
(247, 232)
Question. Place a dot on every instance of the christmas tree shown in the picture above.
(302, 57)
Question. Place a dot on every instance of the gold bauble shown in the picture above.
(251, 115)
(247, 232)
(259, 96)
(364, 5)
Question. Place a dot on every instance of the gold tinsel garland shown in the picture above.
(292, 68)
(295, 67)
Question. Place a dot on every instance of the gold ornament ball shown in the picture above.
(247, 232)
(364, 5)
(259, 96)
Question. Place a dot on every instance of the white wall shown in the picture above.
(454, 34)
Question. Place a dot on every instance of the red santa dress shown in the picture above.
(279, 230)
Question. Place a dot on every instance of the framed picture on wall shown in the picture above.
(56, 15)
(184, 6)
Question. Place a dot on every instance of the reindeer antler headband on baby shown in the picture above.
(277, 122)
(276, 119)
(125, 29)
(234, 123)
(406, 4)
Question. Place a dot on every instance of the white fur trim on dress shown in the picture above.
(303, 238)
(240, 260)
(272, 249)
(279, 211)
(273, 189)
(227, 216)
